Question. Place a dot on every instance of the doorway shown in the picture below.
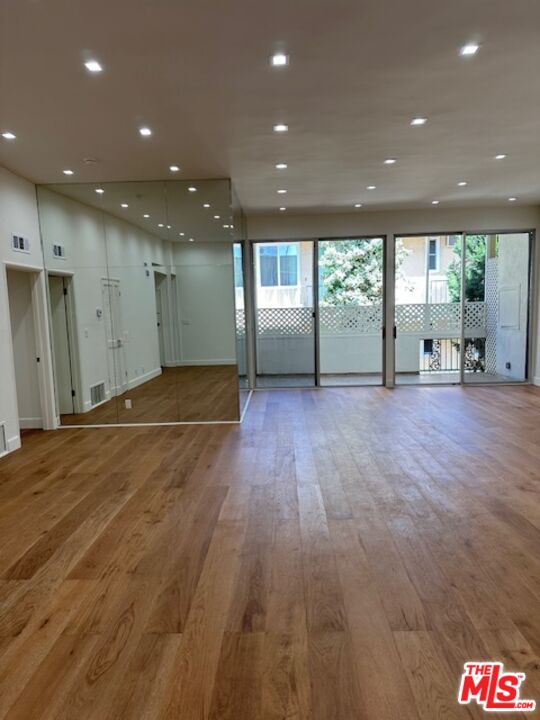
(63, 342)
(283, 282)
(350, 311)
(462, 308)
(160, 284)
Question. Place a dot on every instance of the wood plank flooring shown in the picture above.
(339, 556)
(184, 394)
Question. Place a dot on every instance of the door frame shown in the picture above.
(40, 314)
(73, 339)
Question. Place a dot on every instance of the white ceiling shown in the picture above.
(175, 212)
(197, 74)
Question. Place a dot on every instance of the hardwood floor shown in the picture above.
(184, 394)
(339, 556)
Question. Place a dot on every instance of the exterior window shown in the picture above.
(278, 265)
(238, 270)
(433, 254)
(428, 347)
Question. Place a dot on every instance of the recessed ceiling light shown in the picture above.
(125, 205)
(419, 121)
(390, 161)
(500, 157)
(67, 172)
(435, 202)
(206, 205)
(281, 128)
(7, 135)
(146, 215)
(100, 191)
(181, 234)
(174, 168)
(371, 187)
(282, 209)
(279, 60)
(93, 66)
(357, 205)
(469, 49)
(281, 166)
(217, 217)
(169, 227)
(161, 225)
(462, 183)
(282, 192)
(191, 239)
(191, 188)
(145, 131)
(512, 199)
(226, 227)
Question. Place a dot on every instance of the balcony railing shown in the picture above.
(437, 320)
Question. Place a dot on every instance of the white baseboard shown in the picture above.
(31, 423)
(141, 379)
(12, 444)
(222, 361)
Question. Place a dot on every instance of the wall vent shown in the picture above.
(20, 243)
(3, 441)
(97, 394)
(59, 251)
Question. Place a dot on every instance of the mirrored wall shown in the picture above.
(145, 325)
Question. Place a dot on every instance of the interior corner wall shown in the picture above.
(18, 215)
(205, 289)
(431, 221)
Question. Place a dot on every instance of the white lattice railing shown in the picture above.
(428, 320)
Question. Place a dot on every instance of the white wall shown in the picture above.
(512, 295)
(100, 246)
(18, 214)
(204, 273)
(432, 221)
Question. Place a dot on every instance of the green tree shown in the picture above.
(352, 271)
(475, 270)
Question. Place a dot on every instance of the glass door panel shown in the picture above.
(351, 282)
(428, 309)
(496, 307)
(284, 314)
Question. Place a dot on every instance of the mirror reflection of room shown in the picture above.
(141, 295)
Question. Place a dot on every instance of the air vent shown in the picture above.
(20, 243)
(3, 441)
(97, 394)
(59, 251)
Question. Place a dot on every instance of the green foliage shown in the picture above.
(352, 271)
(475, 270)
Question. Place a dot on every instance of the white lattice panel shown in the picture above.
(475, 315)
(411, 318)
(429, 320)
(240, 323)
(444, 317)
(350, 320)
(492, 312)
(285, 321)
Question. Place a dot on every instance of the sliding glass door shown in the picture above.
(351, 287)
(284, 314)
(496, 288)
(462, 308)
(427, 309)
